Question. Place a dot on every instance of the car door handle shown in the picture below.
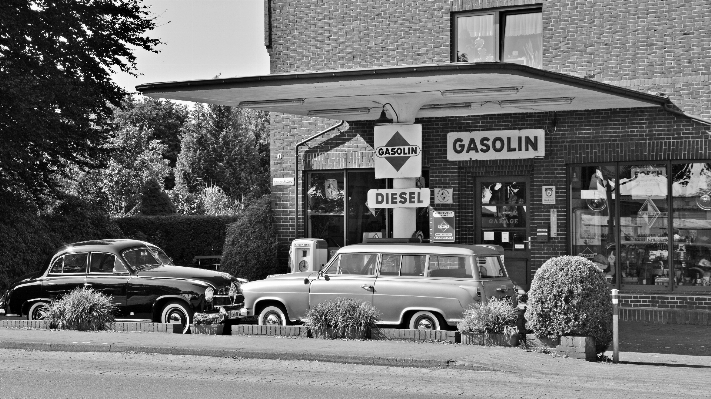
(367, 287)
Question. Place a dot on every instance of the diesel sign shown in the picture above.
(399, 198)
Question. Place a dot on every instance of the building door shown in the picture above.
(501, 218)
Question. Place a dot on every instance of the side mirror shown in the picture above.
(325, 277)
(306, 281)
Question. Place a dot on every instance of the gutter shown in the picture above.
(667, 107)
(296, 172)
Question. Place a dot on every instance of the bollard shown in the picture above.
(615, 325)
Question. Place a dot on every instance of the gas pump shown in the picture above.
(307, 255)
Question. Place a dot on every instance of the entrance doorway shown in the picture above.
(501, 209)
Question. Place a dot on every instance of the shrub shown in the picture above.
(342, 318)
(494, 316)
(208, 319)
(181, 237)
(250, 249)
(155, 201)
(569, 296)
(82, 309)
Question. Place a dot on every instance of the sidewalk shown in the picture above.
(662, 345)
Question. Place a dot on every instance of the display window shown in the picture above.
(647, 225)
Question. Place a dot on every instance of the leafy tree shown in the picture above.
(225, 147)
(56, 58)
(161, 120)
(135, 159)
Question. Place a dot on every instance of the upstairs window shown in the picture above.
(504, 35)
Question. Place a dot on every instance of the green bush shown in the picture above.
(494, 316)
(569, 296)
(342, 318)
(155, 201)
(208, 319)
(82, 309)
(181, 237)
(250, 249)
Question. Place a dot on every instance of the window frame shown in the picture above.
(499, 25)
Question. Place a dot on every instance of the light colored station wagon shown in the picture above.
(417, 286)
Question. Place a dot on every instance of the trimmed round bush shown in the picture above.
(81, 309)
(569, 296)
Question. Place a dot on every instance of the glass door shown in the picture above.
(501, 218)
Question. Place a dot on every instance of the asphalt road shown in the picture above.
(40, 374)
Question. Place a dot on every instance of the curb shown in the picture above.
(239, 354)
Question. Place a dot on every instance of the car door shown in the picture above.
(348, 276)
(67, 272)
(109, 276)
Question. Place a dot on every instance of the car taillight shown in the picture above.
(209, 294)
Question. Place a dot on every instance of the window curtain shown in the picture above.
(479, 25)
(523, 24)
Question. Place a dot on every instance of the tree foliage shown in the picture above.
(56, 57)
(227, 148)
(154, 201)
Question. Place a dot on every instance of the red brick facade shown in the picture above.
(651, 46)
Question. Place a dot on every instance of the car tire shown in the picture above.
(272, 316)
(424, 320)
(36, 311)
(175, 312)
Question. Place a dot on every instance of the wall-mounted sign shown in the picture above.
(443, 195)
(399, 198)
(549, 195)
(502, 144)
(441, 226)
(283, 181)
(398, 151)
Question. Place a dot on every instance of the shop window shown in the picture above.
(503, 214)
(592, 201)
(500, 35)
(691, 204)
(325, 206)
(363, 221)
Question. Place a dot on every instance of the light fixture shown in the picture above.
(272, 103)
(445, 106)
(536, 102)
(383, 119)
(483, 91)
(342, 111)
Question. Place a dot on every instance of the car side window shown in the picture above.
(118, 266)
(75, 263)
(363, 264)
(102, 263)
(450, 266)
(390, 265)
(413, 265)
(490, 266)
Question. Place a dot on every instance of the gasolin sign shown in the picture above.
(399, 198)
(502, 144)
(398, 151)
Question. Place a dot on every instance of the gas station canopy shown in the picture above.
(453, 89)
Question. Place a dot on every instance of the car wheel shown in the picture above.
(38, 311)
(177, 313)
(424, 320)
(272, 316)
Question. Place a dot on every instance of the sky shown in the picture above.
(202, 39)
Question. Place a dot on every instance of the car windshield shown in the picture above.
(142, 258)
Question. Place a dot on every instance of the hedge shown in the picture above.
(182, 237)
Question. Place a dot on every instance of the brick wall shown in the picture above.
(676, 301)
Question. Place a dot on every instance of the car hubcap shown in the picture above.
(424, 324)
(272, 319)
(176, 317)
(39, 313)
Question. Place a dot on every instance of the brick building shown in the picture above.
(618, 92)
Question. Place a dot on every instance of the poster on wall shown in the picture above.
(398, 151)
(441, 226)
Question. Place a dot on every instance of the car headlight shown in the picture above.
(209, 294)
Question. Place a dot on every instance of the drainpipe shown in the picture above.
(296, 172)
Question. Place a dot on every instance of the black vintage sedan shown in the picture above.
(142, 280)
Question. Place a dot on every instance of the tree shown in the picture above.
(56, 57)
(225, 147)
(154, 201)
